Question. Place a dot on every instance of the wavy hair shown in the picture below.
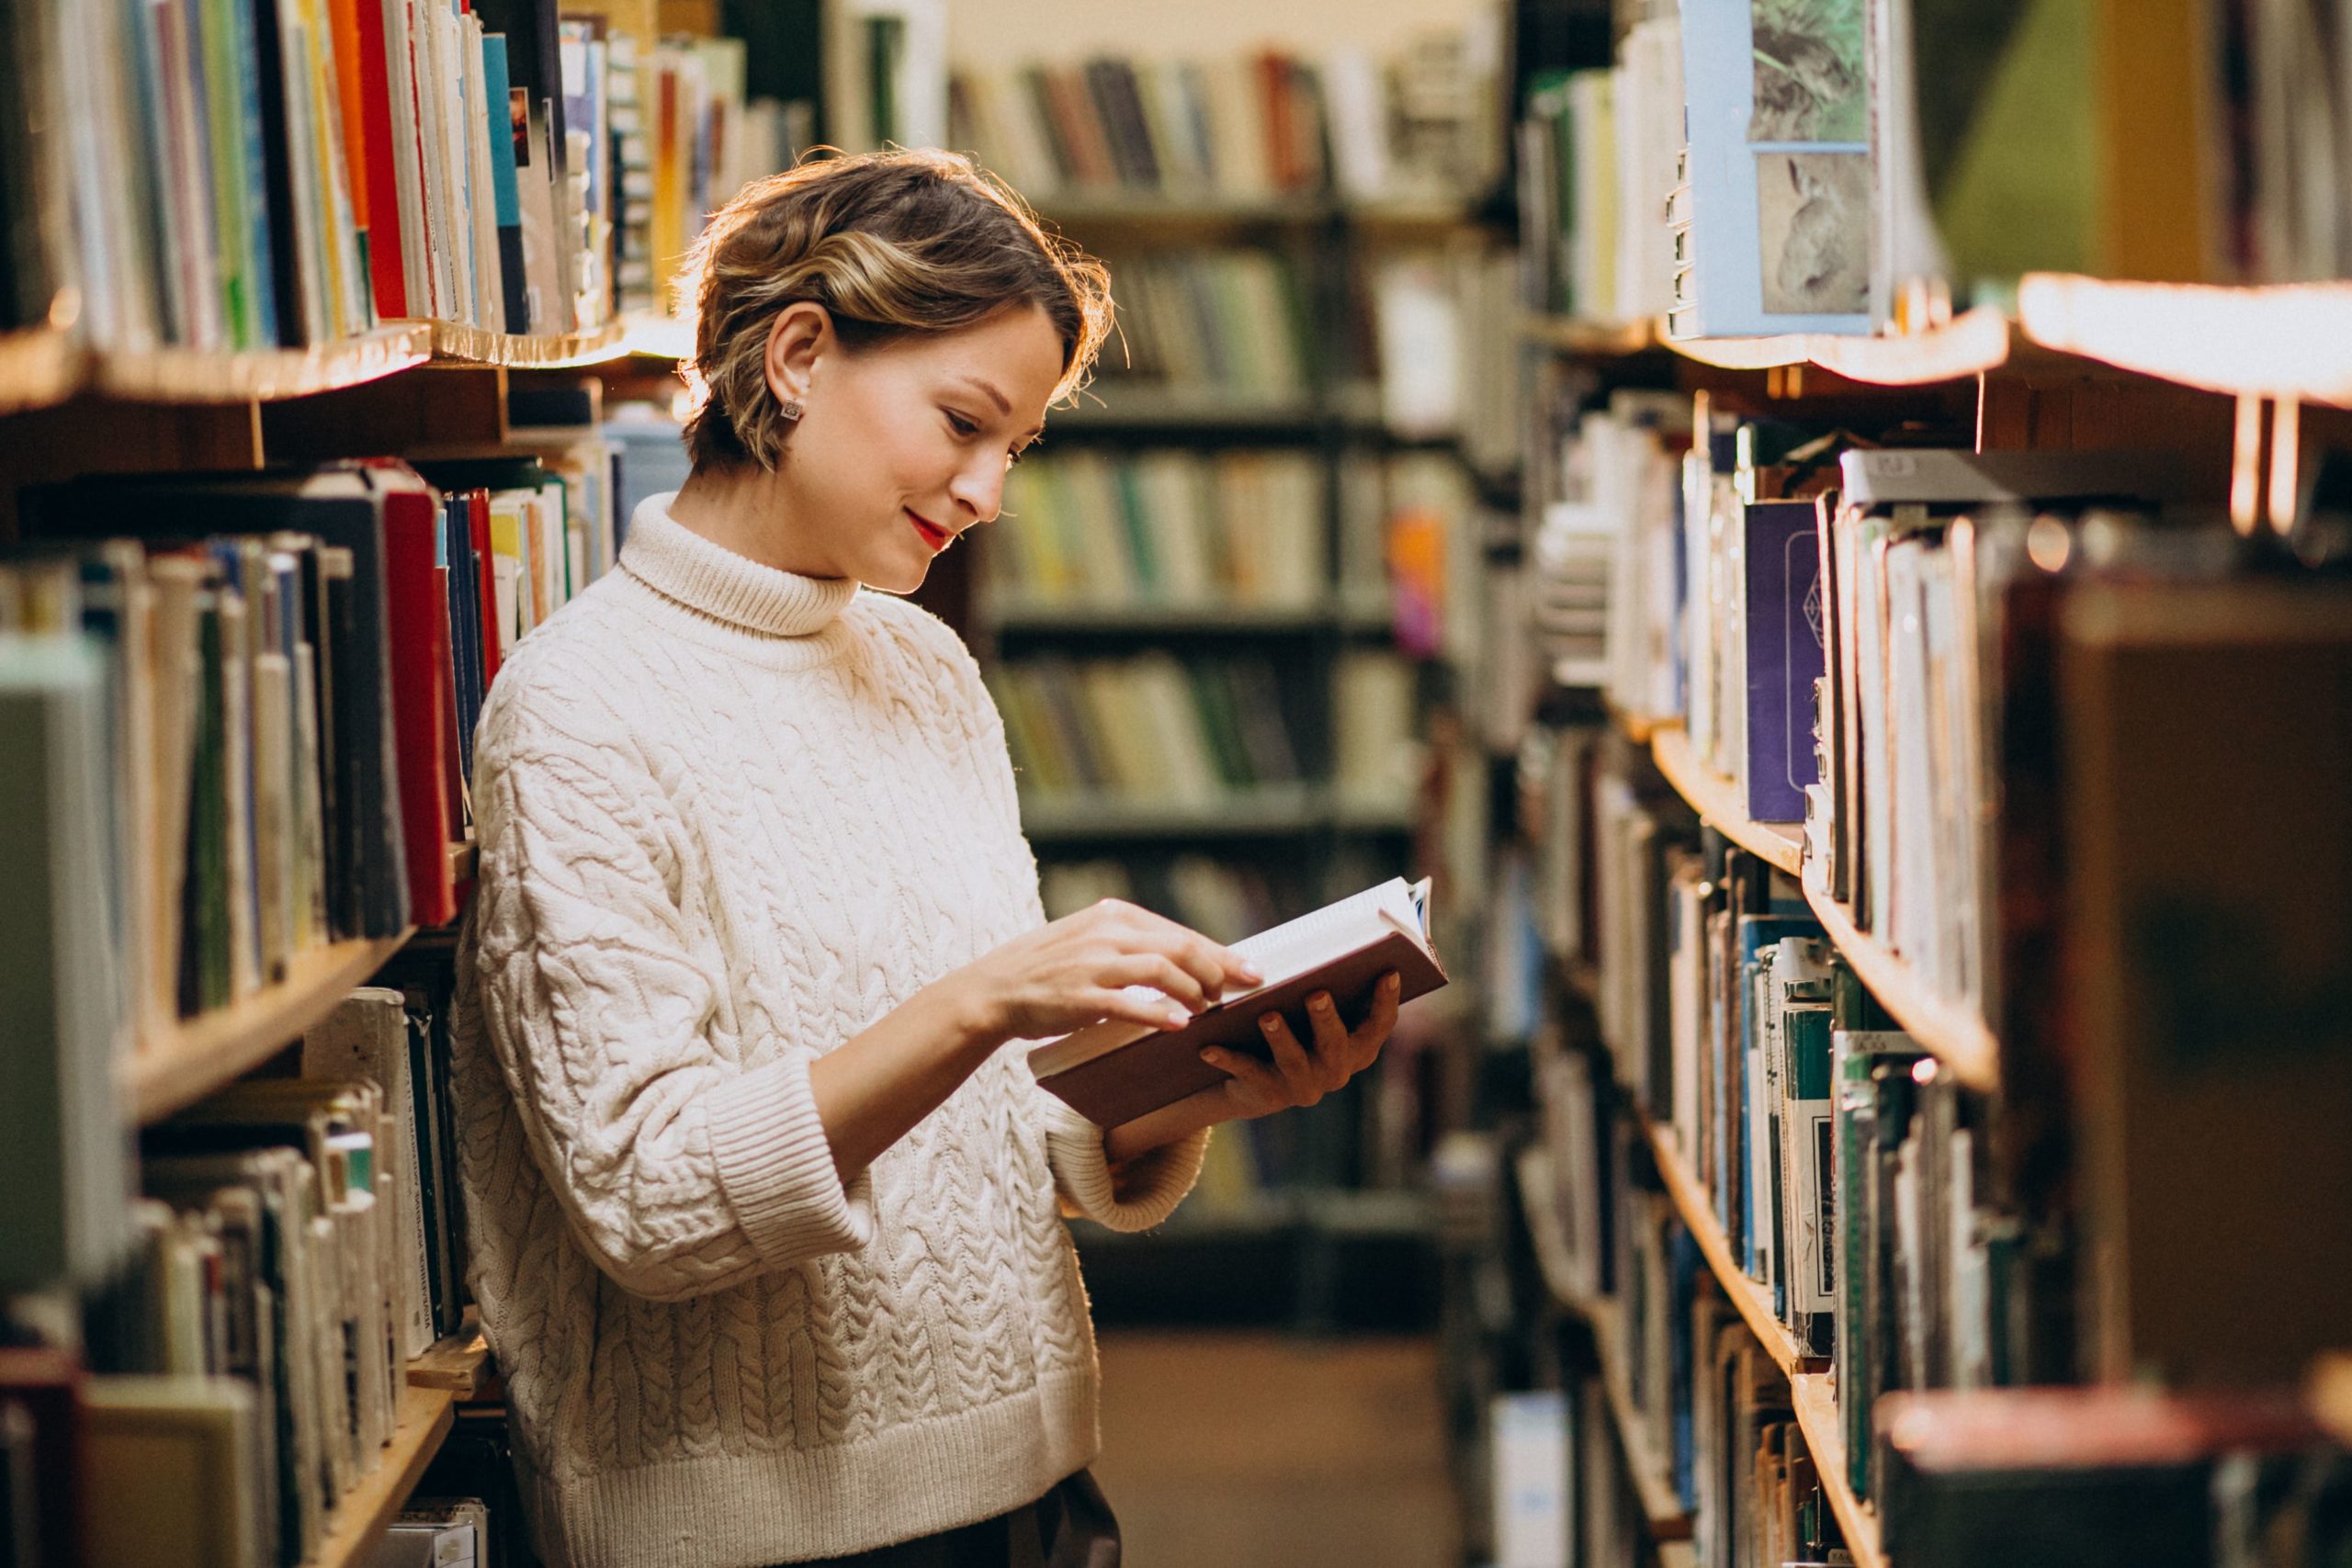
(892, 244)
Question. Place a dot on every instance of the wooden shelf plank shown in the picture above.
(1816, 1408)
(460, 1364)
(366, 1510)
(1754, 1301)
(1652, 1484)
(1969, 345)
(209, 375)
(1716, 798)
(2288, 341)
(479, 345)
(38, 365)
(188, 1060)
(1947, 1031)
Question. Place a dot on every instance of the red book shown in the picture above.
(478, 524)
(417, 625)
(388, 228)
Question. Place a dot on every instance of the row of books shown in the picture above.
(1155, 728)
(1712, 1414)
(233, 177)
(686, 136)
(1235, 324)
(1162, 527)
(1240, 128)
(1597, 150)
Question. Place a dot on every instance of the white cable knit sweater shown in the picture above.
(730, 817)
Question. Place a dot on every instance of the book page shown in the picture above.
(1287, 950)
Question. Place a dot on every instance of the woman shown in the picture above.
(763, 1202)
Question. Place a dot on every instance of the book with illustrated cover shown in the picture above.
(1115, 1071)
(1779, 167)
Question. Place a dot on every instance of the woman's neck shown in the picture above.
(746, 510)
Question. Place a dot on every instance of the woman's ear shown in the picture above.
(801, 334)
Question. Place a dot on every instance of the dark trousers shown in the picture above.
(1069, 1527)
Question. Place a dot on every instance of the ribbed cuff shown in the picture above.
(777, 1168)
(1148, 1186)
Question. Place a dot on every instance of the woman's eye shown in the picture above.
(961, 426)
(1015, 455)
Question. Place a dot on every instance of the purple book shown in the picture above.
(1784, 657)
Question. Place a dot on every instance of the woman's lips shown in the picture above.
(938, 539)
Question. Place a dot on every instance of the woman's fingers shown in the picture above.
(1366, 1039)
(1162, 974)
(1248, 1073)
(1290, 1057)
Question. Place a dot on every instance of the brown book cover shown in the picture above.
(1116, 1071)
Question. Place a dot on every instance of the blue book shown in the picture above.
(1777, 101)
(506, 195)
(1785, 656)
(1734, 1149)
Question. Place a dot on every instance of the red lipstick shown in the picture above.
(938, 539)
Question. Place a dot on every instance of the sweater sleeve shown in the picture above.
(682, 1169)
(1133, 1196)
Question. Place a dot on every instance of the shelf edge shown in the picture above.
(1946, 1032)
(191, 1058)
(364, 1513)
(1815, 1402)
(1712, 797)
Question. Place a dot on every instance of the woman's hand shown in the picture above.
(1067, 973)
(1301, 1074)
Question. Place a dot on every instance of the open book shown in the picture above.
(1115, 1070)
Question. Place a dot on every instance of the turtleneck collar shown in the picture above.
(680, 564)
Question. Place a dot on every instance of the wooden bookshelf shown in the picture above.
(1971, 344)
(366, 1511)
(206, 376)
(455, 342)
(184, 1062)
(1690, 1201)
(1946, 1030)
(1147, 619)
(1716, 798)
(2288, 341)
(38, 365)
(1653, 1483)
(1825, 1435)
(1267, 810)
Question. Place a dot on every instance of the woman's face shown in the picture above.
(902, 446)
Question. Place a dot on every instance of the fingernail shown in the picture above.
(1392, 985)
(1178, 1020)
(1210, 1055)
(1248, 974)
(1321, 1002)
(1267, 1021)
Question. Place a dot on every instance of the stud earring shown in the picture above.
(792, 409)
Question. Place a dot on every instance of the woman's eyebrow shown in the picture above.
(1003, 404)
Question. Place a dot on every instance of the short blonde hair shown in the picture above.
(890, 243)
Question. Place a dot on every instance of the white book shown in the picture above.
(408, 171)
(1115, 1070)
